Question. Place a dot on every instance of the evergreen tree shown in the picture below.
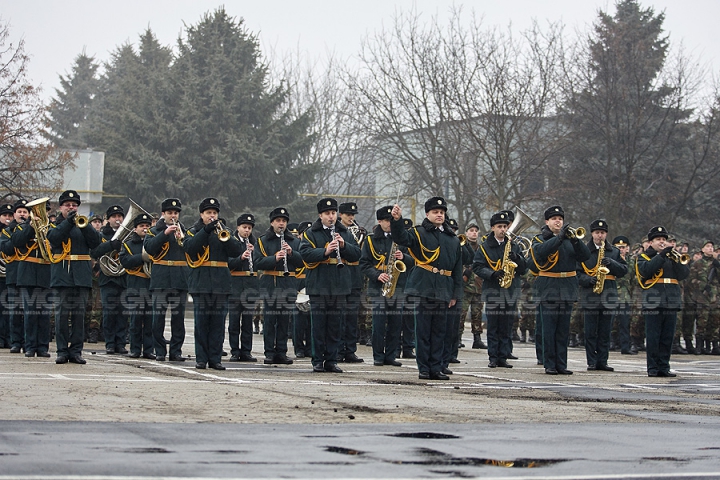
(69, 109)
(625, 114)
(234, 132)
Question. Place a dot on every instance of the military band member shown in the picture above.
(626, 286)
(169, 280)
(435, 284)
(209, 282)
(138, 298)
(472, 292)
(70, 276)
(7, 212)
(97, 222)
(16, 318)
(33, 283)
(277, 257)
(658, 276)
(501, 303)
(325, 245)
(244, 293)
(301, 332)
(408, 318)
(349, 329)
(555, 253)
(702, 289)
(599, 307)
(112, 288)
(387, 311)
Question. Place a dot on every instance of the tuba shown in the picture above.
(109, 264)
(521, 224)
(41, 224)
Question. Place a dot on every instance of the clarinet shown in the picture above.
(340, 263)
(249, 259)
(282, 247)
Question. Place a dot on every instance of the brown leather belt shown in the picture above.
(41, 261)
(609, 277)
(662, 280)
(558, 274)
(447, 273)
(171, 263)
(302, 275)
(138, 274)
(334, 261)
(77, 257)
(242, 274)
(213, 263)
(275, 273)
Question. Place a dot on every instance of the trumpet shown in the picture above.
(578, 233)
(681, 258)
(81, 221)
(222, 233)
(179, 236)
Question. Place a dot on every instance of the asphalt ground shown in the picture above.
(122, 417)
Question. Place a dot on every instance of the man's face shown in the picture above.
(658, 243)
(436, 216)
(384, 224)
(347, 218)
(708, 249)
(97, 224)
(170, 216)
(697, 256)
(624, 249)
(6, 218)
(142, 229)
(599, 236)
(498, 229)
(115, 220)
(67, 207)
(684, 248)
(21, 214)
(472, 234)
(279, 224)
(555, 223)
(209, 215)
(328, 217)
(671, 243)
(244, 230)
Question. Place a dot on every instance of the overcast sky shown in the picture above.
(56, 31)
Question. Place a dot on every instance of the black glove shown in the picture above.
(716, 263)
(707, 290)
(211, 226)
(563, 233)
(116, 244)
(514, 257)
(71, 217)
(497, 275)
(593, 280)
(606, 261)
(467, 273)
(666, 251)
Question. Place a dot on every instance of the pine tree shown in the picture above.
(69, 110)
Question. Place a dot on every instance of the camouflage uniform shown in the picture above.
(621, 327)
(93, 310)
(527, 309)
(703, 290)
(637, 321)
(472, 300)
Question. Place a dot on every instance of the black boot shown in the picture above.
(515, 337)
(581, 340)
(634, 341)
(715, 348)
(706, 347)
(93, 335)
(573, 341)
(531, 337)
(689, 345)
(476, 341)
(523, 338)
(677, 348)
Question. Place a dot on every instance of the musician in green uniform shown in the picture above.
(244, 294)
(70, 276)
(599, 294)
(33, 283)
(138, 299)
(658, 272)
(169, 280)
(208, 246)
(325, 248)
(500, 263)
(277, 257)
(385, 265)
(555, 253)
(434, 285)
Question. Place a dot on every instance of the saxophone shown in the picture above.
(508, 266)
(601, 271)
(393, 268)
